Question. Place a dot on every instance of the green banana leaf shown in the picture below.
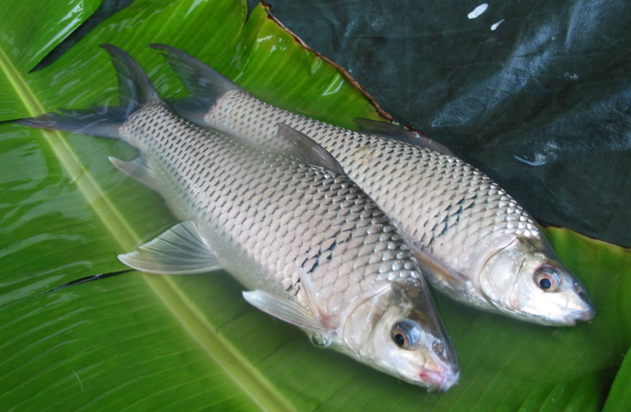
(145, 342)
(619, 398)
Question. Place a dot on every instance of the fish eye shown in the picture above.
(545, 283)
(401, 340)
(405, 334)
(547, 278)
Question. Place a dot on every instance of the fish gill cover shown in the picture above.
(142, 342)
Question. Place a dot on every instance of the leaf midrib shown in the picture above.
(188, 315)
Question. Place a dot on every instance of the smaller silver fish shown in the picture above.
(312, 249)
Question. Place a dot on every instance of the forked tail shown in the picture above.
(135, 91)
(203, 83)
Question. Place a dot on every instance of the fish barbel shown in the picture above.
(475, 242)
(309, 245)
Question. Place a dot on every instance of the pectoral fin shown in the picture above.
(286, 310)
(137, 169)
(178, 251)
(438, 269)
(400, 134)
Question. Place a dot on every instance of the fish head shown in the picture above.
(399, 332)
(526, 280)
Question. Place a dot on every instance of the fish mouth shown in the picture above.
(439, 381)
(584, 315)
(585, 312)
(588, 314)
(589, 311)
(584, 309)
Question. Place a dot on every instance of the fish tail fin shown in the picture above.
(203, 83)
(104, 121)
(198, 78)
(134, 86)
(86, 122)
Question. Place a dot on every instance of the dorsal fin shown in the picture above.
(400, 134)
(304, 148)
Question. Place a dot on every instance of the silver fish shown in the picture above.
(309, 245)
(475, 242)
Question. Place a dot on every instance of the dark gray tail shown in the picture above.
(135, 90)
(203, 83)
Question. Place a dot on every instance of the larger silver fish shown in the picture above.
(477, 244)
(310, 246)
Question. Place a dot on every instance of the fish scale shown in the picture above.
(237, 183)
(443, 205)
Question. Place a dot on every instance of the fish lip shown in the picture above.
(588, 314)
(439, 381)
(585, 315)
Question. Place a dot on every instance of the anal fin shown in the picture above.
(178, 251)
(137, 169)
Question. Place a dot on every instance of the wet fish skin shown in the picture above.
(299, 236)
(474, 237)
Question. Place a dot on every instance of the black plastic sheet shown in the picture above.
(537, 94)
